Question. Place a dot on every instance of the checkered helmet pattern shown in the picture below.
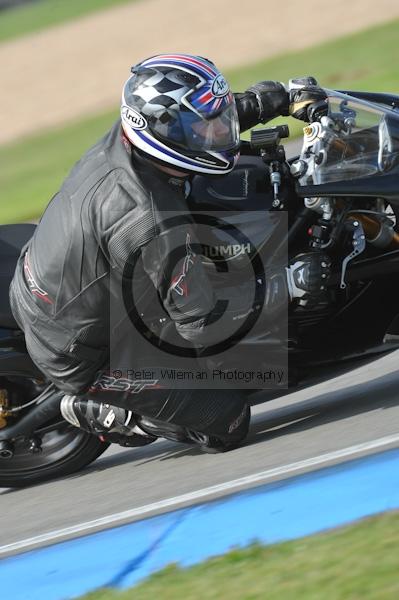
(179, 109)
(159, 96)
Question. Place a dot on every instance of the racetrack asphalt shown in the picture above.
(356, 408)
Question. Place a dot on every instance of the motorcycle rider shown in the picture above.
(178, 118)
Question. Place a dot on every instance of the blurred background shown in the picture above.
(63, 64)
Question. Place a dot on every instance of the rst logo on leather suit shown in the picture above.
(121, 384)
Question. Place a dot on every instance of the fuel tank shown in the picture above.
(242, 221)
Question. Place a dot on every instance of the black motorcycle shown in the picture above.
(340, 196)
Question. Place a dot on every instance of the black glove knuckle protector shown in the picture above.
(272, 99)
(307, 275)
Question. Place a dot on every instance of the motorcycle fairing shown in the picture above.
(243, 199)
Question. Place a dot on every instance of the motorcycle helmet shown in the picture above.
(178, 109)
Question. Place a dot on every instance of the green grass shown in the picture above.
(20, 20)
(31, 171)
(367, 59)
(359, 562)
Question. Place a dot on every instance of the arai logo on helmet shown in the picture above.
(220, 87)
(133, 118)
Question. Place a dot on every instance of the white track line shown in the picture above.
(228, 486)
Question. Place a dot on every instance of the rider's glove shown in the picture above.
(272, 99)
(307, 275)
(304, 93)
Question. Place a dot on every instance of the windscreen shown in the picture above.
(355, 139)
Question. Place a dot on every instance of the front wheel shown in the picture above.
(63, 451)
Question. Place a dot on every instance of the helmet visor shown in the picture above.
(190, 131)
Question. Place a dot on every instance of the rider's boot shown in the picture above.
(120, 426)
(110, 423)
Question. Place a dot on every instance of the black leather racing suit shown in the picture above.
(110, 207)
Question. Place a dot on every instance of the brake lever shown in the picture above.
(359, 245)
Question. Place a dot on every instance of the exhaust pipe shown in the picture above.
(47, 408)
(378, 233)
